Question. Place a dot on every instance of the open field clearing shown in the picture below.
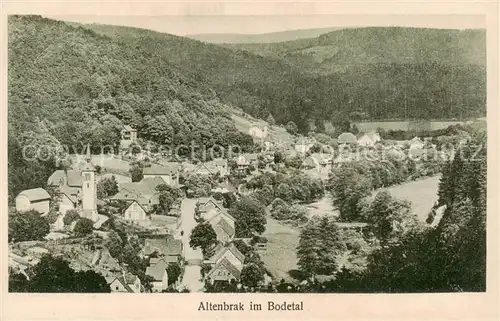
(422, 194)
(279, 257)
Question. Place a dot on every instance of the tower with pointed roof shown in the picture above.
(89, 189)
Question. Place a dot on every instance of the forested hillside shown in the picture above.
(75, 87)
(380, 73)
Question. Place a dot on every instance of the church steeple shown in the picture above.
(89, 189)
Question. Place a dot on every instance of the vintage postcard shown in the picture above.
(238, 160)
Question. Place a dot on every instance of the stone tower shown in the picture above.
(89, 190)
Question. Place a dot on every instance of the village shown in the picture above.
(175, 216)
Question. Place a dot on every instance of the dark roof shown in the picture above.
(74, 178)
(157, 269)
(224, 225)
(161, 170)
(129, 128)
(35, 194)
(229, 266)
(220, 250)
(165, 246)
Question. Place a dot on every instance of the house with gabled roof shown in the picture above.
(169, 248)
(128, 137)
(126, 283)
(169, 174)
(137, 213)
(223, 271)
(369, 139)
(224, 231)
(36, 199)
(229, 252)
(206, 204)
(143, 192)
(245, 160)
(347, 139)
(157, 270)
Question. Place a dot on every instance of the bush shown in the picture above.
(70, 217)
(27, 226)
(84, 226)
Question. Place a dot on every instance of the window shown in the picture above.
(116, 288)
(87, 176)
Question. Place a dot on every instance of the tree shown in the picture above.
(27, 226)
(106, 187)
(198, 185)
(174, 271)
(168, 196)
(70, 217)
(136, 171)
(53, 275)
(252, 275)
(348, 188)
(291, 127)
(279, 157)
(270, 120)
(320, 244)
(204, 237)
(250, 217)
(84, 226)
(18, 283)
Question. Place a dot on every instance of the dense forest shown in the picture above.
(71, 86)
(382, 73)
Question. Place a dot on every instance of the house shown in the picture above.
(223, 271)
(245, 160)
(222, 223)
(258, 132)
(416, 143)
(216, 166)
(67, 199)
(36, 199)
(169, 174)
(303, 145)
(143, 192)
(68, 182)
(157, 269)
(169, 248)
(127, 283)
(369, 139)
(137, 213)
(205, 204)
(321, 162)
(224, 230)
(347, 139)
(230, 252)
(128, 137)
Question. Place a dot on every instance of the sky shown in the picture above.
(256, 24)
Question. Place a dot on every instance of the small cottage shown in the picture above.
(36, 199)
(223, 271)
(158, 271)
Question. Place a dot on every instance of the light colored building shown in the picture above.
(245, 160)
(230, 252)
(128, 137)
(258, 132)
(169, 174)
(347, 139)
(36, 199)
(127, 283)
(369, 139)
(223, 271)
(89, 190)
(321, 162)
(135, 212)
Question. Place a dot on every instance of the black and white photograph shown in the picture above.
(246, 154)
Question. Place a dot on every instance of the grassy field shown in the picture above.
(280, 257)
(422, 194)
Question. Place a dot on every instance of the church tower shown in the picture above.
(89, 189)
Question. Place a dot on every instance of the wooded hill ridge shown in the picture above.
(382, 73)
(139, 76)
(85, 86)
